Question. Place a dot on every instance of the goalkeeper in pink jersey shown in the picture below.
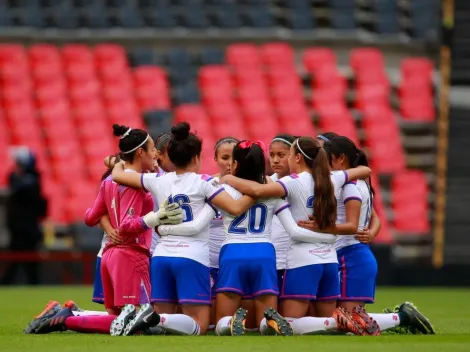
(125, 265)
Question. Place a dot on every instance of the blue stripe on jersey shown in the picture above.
(215, 193)
(281, 209)
(206, 178)
(352, 198)
(283, 186)
(352, 182)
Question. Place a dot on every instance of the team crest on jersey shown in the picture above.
(130, 211)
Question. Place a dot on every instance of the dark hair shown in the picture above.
(183, 145)
(162, 141)
(251, 164)
(281, 138)
(131, 140)
(324, 205)
(109, 171)
(223, 141)
(356, 157)
(327, 136)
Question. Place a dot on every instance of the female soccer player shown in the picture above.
(278, 157)
(223, 157)
(161, 145)
(314, 187)
(180, 265)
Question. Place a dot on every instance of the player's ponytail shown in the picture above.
(250, 160)
(324, 205)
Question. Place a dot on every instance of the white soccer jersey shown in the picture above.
(280, 239)
(191, 191)
(254, 226)
(358, 190)
(216, 237)
(300, 195)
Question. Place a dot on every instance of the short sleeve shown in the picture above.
(339, 178)
(281, 205)
(211, 188)
(350, 192)
(149, 182)
(289, 184)
(232, 192)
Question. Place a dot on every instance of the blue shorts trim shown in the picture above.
(357, 273)
(318, 282)
(98, 293)
(180, 280)
(248, 269)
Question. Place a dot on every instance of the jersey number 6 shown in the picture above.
(183, 201)
(256, 220)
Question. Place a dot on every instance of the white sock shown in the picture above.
(89, 313)
(265, 329)
(311, 325)
(179, 324)
(386, 321)
(223, 327)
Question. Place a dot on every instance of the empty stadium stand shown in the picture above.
(60, 101)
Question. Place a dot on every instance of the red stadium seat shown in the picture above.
(315, 59)
(215, 76)
(148, 74)
(80, 72)
(224, 112)
(366, 58)
(45, 72)
(300, 127)
(124, 112)
(287, 95)
(51, 93)
(83, 92)
(12, 53)
(258, 111)
(277, 54)
(153, 96)
(89, 111)
(417, 67)
(117, 94)
(371, 95)
(12, 72)
(328, 97)
(417, 110)
(234, 128)
(109, 52)
(283, 75)
(19, 114)
(190, 112)
(214, 96)
(329, 76)
(77, 53)
(249, 76)
(16, 94)
(243, 55)
(44, 53)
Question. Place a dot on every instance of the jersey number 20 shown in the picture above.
(257, 215)
(183, 201)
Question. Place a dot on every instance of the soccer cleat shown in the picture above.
(73, 306)
(145, 318)
(414, 320)
(278, 323)
(118, 325)
(360, 316)
(237, 324)
(55, 323)
(52, 308)
(346, 322)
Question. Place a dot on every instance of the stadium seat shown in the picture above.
(315, 59)
(277, 54)
(366, 58)
(212, 56)
(243, 55)
(143, 56)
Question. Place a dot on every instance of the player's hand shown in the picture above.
(173, 214)
(309, 224)
(111, 160)
(226, 179)
(364, 236)
(114, 236)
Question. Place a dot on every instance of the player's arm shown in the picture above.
(130, 179)
(98, 209)
(235, 207)
(191, 227)
(299, 234)
(255, 189)
(112, 233)
(132, 202)
(358, 173)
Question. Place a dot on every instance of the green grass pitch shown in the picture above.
(447, 309)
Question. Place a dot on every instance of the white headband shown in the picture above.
(298, 146)
(323, 137)
(140, 145)
(277, 139)
(126, 133)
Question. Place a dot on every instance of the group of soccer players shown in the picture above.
(239, 251)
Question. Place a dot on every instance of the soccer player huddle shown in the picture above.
(238, 251)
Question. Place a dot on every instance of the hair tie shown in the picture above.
(278, 139)
(248, 144)
(126, 133)
(300, 149)
(140, 145)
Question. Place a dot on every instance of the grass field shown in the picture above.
(446, 308)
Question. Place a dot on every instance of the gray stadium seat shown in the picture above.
(195, 17)
(158, 121)
(259, 17)
(228, 16)
(212, 56)
(160, 17)
(187, 94)
(130, 18)
(343, 20)
(140, 56)
(300, 19)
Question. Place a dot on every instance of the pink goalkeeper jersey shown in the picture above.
(125, 206)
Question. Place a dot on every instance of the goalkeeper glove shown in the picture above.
(168, 214)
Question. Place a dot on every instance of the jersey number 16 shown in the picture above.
(183, 201)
